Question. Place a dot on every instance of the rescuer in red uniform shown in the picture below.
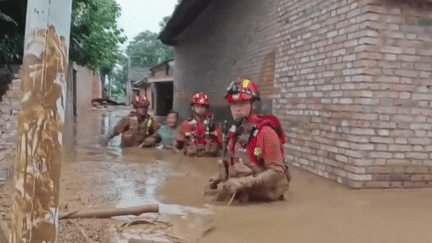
(200, 135)
(254, 163)
(135, 127)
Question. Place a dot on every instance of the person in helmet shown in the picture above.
(135, 127)
(200, 135)
(254, 165)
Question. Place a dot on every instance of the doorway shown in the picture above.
(164, 98)
(74, 93)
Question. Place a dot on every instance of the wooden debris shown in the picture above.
(108, 213)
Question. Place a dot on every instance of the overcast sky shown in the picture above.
(141, 15)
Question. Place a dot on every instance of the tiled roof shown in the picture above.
(137, 73)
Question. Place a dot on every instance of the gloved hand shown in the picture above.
(267, 177)
(213, 182)
(148, 142)
(104, 140)
(221, 176)
(234, 185)
(178, 145)
(210, 127)
(176, 149)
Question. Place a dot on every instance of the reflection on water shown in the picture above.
(131, 196)
(82, 141)
(109, 120)
(132, 189)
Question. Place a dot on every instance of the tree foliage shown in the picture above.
(164, 22)
(95, 35)
(165, 19)
(12, 22)
(119, 77)
(144, 50)
(147, 50)
(7, 18)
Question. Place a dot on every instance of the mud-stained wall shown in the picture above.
(39, 123)
(352, 81)
(228, 39)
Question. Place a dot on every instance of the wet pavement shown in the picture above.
(315, 209)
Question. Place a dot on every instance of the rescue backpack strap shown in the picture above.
(256, 153)
(148, 125)
(254, 131)
(209, 127)
(232, 137)
(274, 123)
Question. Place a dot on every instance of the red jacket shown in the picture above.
(195, 126)
(265, 148)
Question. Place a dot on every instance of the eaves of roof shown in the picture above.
(184, 15)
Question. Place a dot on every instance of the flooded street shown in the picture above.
(315, 210)
(338, 91)
(95, 177)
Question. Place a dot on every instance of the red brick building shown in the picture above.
(350, 80)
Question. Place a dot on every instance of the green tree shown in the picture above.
(95, 35)
(12, 22)
(119, 78)
(5, 17)
(165, 19)
(147, 50)
(164, 22)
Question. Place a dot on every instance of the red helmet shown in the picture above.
(242, 89)
(140, 101)
(200, 99)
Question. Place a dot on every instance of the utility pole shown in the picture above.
(109, 88)
(40, 120)
(129, 94)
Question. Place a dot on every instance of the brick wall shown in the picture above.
(259, 46)
(352, 89)
(228, 39)
(8, 135)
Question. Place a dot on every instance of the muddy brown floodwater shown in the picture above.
(315, 210)
(95, 177)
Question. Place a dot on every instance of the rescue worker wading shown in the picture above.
(136, 127)
(253, 166)
(199, 135)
